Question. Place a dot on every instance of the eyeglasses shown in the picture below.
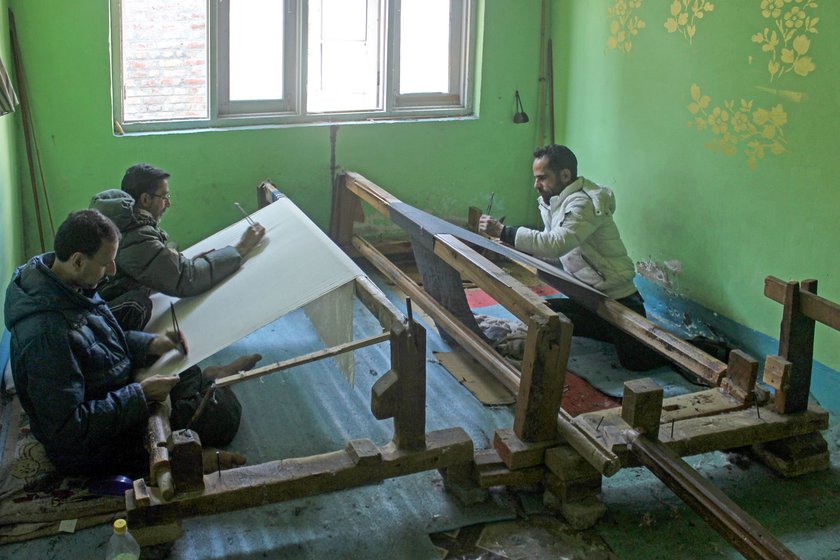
(167, 196)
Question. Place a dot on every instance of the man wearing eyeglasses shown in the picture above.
(146, 260)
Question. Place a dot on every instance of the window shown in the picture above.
(185, 64)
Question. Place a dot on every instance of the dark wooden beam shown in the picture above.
(744, 533)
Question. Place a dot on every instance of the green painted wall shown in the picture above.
(10, 232)
(442, 166)
(624, 112)
(729, 225)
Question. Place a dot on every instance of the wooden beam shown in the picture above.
(289, 479)
(811, 305)
(479, 349)
(501, 286)
(693, 436)
(743, 532)
(379, 305)
(676, 349)
(300, 360)
(370, 192)
(681, 407)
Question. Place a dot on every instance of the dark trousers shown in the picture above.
(632, 354)
(132, 310)
(126, 452)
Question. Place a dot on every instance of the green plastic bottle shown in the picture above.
(122, 545)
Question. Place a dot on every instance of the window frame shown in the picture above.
(223, 114)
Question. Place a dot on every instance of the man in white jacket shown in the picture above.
(581, 236)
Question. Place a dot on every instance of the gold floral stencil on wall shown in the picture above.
(759, 131)
(625, 24)
(684, 14)
(787, 41)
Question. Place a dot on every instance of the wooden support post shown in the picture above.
(740, 377)
(345, 210)
(543, 377)
(157, 435)
(518, 454)
(473, 216)
(796, 344)
(641, 406)
(401, 393)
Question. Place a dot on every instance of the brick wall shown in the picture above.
(164, 51)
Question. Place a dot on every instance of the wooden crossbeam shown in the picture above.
(289, 479)
(300, 360)
(811, 305)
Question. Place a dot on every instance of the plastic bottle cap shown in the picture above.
(119, 526)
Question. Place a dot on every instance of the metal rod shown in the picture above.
(244, 213)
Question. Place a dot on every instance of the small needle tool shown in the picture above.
(177, 328)
(490, 204)
(209, 394)
(244, 213)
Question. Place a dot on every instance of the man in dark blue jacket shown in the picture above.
(74, 366)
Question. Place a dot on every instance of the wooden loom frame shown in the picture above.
(647, 429)
(178, 488)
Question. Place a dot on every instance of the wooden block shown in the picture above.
(157, 534)
(641, 406)
(500, 475)
(363, 452)
(573, 491)
(462, 482)
(187, 461)
(777, 374)
(795, 456)
(518, 454)
(568, 465)
(141, 493)
(741, 375)
(492, 471)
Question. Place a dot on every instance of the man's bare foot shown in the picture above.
(242, 363)
(225, 459)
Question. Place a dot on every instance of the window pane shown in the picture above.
(344, 55)
(256, 50)
(424, 46)
(164, 59)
